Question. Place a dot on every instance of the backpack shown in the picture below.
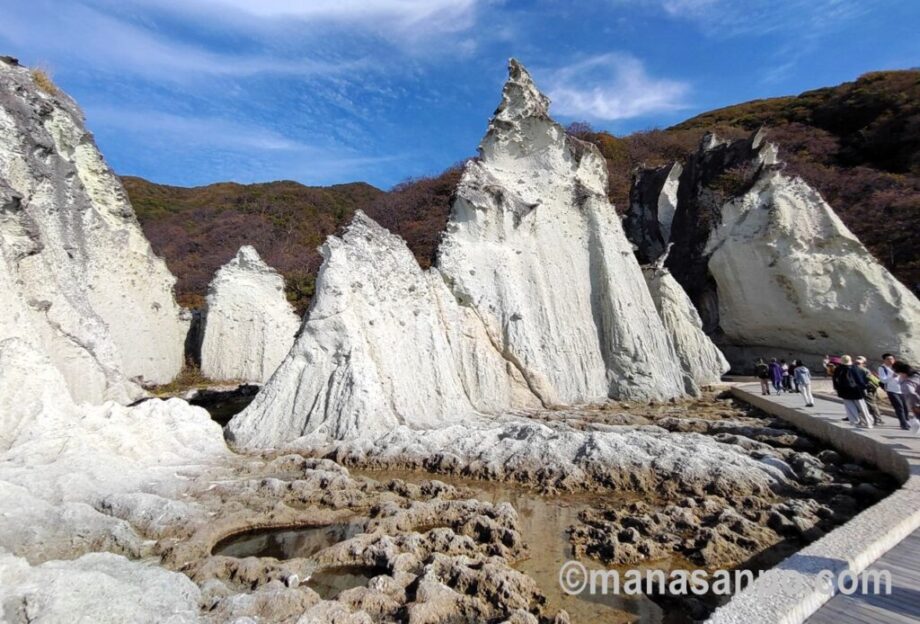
(762, 371)
(847, 382)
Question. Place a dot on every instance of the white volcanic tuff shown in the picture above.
(701, 360)
(375, 352)
(98, 587)
(791, 275)
(59, 462)
(536, 249)
(91, 292)
(250, 325)
(667, 201)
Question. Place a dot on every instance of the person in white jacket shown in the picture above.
(892, 386)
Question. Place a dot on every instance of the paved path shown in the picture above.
(888, 530)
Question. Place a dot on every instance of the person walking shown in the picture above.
(795, 384)
(776, 376)
(909, 379)
(850, 384)
(803, 382)
(762, 371)
(872, 387)
(787, 376)
(892, 386)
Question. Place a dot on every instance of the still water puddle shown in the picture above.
(543, 522)
(287, 543)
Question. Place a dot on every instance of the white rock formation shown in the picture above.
(536, 300)
(250, 324)
(78, 478)
(701, 360)
(667, 201)
(375, 351)
(790, 275)
(534, 246)
(80, 281)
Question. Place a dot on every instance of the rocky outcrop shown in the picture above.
(250, 325)
(535, 248)
(770, 267)
(536, 299)
(702, 362)
(79, 280)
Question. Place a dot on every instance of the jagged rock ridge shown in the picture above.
(536, 299)
(768, 264)
(250, 325)
(79, 280)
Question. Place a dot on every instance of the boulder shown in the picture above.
(250, 325)
(79, 280)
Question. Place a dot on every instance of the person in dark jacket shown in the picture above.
(910, 388)
(776, 376)
(762, 372)
(850, 384)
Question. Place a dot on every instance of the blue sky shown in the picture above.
(190, 92)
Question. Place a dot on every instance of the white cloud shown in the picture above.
(610, 87)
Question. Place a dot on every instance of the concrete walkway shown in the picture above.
(884, 537)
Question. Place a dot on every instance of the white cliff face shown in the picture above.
(791, 275)
(667, 201)
(375, 352)
(81, 281)
(702, 362)
(536, 300)
(535, 248)
(250, 325)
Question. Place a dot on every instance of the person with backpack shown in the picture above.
(871, 390)
(762, 372)
(909, 379)
(776, 376)
(803, 382)
(850, 384)
(892, 387)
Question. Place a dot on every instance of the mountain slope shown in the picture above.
(199, 229)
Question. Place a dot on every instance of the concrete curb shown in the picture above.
(789, 593)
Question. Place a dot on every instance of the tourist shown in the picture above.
(762, 371)
(871, 390)
(892, 386)
(910, 388)
(850, 384)
(787, 376)
(803, 382)
(795, 384)
(776, 376)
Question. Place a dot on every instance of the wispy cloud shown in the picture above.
(105, 42)
(730, 18)
(611, 87)
(156, 127)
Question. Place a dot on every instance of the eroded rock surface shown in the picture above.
(536, 300)
(702, 362)
(770, 267)
(79, 280)
(250, 325)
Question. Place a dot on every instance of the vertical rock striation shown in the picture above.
(80, 281)
(536, 249)
(702, 362)
(250, 325)
(536, 299)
